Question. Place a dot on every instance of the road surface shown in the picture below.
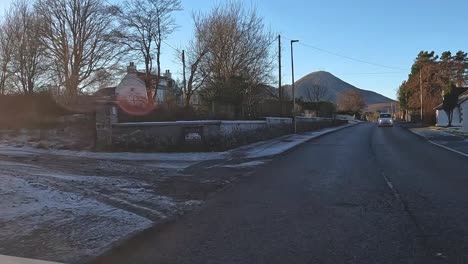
(360, 195)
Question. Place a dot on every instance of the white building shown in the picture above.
(460, 115)
(442, 118)
(463, 104)
(133, 88)
(131, 91)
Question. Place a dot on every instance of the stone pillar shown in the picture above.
(106, 115)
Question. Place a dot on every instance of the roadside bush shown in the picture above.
(29, 111)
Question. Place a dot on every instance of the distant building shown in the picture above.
(460, 112)
(442, 118)
(132, 88)
(463, 105)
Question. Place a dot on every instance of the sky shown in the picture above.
(370, 44)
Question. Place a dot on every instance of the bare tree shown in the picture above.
(79, 40)
(27, 60)
(7, 48)
(144, 24)
(239, 52)
(165, 24)
(351, 101)
(197, 51)
(316, 93)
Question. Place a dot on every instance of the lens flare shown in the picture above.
(135, 105)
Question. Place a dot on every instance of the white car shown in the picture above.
(385, 120)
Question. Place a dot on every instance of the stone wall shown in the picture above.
(106, 116)
(204, 135)
(304, 124)
(210, 135)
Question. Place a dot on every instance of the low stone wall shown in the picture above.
(304, 124)
(211, 135)
(204, 135)
(346, 117)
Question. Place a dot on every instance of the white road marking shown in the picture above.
(390, 185)
(447, 148)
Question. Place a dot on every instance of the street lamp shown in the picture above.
(292, 87)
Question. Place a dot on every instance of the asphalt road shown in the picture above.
(361, 195)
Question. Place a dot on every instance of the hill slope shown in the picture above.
(335, 87)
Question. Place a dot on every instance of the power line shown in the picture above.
(347, 57)
(178, 50)
(370, 73)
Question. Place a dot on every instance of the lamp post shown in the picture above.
(292, 87)
(421, 93)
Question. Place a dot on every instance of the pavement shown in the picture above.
(449, 138)
(359, 195)
(71, 206)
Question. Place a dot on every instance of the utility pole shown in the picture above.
(280, 92)
(183, 73)
(292, 86)
(421, 92)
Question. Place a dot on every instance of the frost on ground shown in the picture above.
(41, 221)
(57, 215)
(72, 208)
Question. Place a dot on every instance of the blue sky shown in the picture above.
(390, 33)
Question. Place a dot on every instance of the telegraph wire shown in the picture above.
(347, 57)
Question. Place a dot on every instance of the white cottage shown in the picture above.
(442, 118)
(463, 104)
(457, 119)
(132, 89)
(133, 86)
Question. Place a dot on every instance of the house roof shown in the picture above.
(107, 91)
(142, 75)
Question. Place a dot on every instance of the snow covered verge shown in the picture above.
(57, 216)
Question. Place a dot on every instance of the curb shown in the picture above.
(310, 139)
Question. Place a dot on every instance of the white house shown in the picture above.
(458, 113)
(442, 118)
(131, 90)
(463, 104)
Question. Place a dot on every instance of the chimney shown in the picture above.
(131, 68)
(168, 74)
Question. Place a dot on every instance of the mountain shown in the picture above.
(335, 87)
